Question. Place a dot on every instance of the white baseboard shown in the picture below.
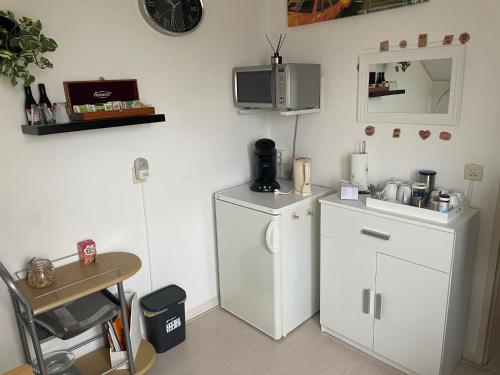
(202, 309)
(468, 356)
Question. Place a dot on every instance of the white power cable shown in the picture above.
(279, 192)
(295, 137)
(470, 190)
(148, 241)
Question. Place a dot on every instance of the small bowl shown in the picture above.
(56, 362)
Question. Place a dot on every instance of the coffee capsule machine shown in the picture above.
(264, 163)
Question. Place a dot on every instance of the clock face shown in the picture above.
(172, 17)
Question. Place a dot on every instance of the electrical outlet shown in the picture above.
(280, 156)
(473, 172)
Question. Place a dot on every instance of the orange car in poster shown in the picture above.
(301, 12)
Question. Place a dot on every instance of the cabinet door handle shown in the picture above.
(366, 301)
(372, 233)
(378, 306)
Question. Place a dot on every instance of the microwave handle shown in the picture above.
(274, 73)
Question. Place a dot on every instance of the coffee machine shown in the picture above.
(264, 163)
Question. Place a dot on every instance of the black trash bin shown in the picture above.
(164, 316)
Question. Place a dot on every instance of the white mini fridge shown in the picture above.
(268, 253)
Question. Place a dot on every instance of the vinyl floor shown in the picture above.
(218, 343)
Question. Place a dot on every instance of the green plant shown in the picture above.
(403, 65)
(22, 45)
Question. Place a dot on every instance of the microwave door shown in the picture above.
(254, 87)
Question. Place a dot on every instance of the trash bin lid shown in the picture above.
(160, 300)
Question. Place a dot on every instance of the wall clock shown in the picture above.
(172, 17)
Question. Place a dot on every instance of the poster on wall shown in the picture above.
(303, 12)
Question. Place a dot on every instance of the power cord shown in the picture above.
(279, 192)
(470, 190)
(295, 136)
(148, 240)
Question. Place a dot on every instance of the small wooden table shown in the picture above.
(74, 281)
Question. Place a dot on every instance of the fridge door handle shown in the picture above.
(270, 237)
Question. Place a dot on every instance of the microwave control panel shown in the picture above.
(281, 87)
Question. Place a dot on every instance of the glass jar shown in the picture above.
(444, 203)
(40, 273)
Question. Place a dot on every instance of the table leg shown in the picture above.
(126, 333)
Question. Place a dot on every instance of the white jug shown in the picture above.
(302, 176)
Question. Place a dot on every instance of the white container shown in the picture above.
(416, 212)
(359, 171)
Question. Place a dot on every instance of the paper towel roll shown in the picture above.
(359, 171)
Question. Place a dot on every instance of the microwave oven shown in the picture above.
(284, 87)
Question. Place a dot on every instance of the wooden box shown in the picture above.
(103, 91)
(378, 89)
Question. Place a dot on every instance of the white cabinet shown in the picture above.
(409, 325)
(347, 279)
(396, 287)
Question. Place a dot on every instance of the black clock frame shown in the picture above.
(164, 29)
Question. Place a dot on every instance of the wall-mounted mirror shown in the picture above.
(420, 86)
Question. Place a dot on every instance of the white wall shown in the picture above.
(440, 91)
(57, 190)
(330, 136)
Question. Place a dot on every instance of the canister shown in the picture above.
(428, 177)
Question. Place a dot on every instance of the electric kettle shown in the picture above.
(302, 176)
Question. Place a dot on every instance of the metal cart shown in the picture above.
(73, 281)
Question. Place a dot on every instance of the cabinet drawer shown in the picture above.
(425, 246)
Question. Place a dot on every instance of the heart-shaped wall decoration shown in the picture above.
(445, 136)
(424, 134)
(396, 133)
(370, 130)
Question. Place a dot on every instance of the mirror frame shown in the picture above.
(456, 53)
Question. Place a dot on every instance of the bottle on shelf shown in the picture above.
(44, 99)
(45, 103)
(29, 101)
(381, 79)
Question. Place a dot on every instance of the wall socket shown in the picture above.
(283, 164)
(473, 172)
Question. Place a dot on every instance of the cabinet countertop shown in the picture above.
(360, 206)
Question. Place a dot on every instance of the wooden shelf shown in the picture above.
(91, 124)
(75, 280)
(386, 93)
(97, 362)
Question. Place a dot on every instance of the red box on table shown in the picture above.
(87, 251)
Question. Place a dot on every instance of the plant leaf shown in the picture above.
(46, 62)
(48, 44)
(4, 54)
(31, 44)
